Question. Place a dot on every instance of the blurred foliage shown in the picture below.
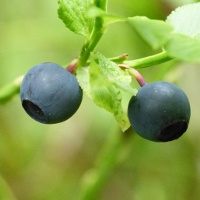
(40, 162)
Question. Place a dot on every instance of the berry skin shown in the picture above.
(159, 112)
(50, 94)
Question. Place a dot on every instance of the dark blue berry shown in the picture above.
(50, 94)
(159, 112)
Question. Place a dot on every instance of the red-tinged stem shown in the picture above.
(135, 73)
(124, 55)
(71, 67)
(119, 59)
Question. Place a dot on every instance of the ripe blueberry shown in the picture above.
(159, 112)
(50, 94)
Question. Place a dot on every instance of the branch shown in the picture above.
(10, 90)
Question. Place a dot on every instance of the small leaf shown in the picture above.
(102, 92)
(110, 98)
(183, 47)
(106, 95)
(108, 18)
(186, 19)
(83, 77)
(197, 36)
(97, 78)
(120, 78)
(74, 14)
(122, 119)
(154, 32)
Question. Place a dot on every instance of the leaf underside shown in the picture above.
(186, 19)
(154, 32)
(74, 15)
(102, 82)
(184, 42)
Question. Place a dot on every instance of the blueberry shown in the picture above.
(159, 112)
(50, 94)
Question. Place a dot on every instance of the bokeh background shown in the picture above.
(48, 162)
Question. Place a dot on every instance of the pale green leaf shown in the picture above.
(108, 18)
(74, 14)
(83, 77)
(186, 19)
(104, 94)
(154, 32)
(120, 78)
(197, 36)
(97, 78)
(109, 98)
(183, 47)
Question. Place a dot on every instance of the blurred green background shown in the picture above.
(48, 162)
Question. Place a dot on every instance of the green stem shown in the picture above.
(9, 90)
(95, 37)
(134, 73)
(92, 42)
(148, 61)
(119, 59)
(5, 192)
(95, 180)
(101, 4)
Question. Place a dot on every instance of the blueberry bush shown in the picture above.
(107, 107)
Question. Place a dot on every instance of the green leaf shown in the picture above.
(183, 47)
(97, 78)
(106, 95)
(108, 18)
(74, 14)
(185, 41)
(154, 32)
(197, 36)
(83, 77)
(186, 19)
(110, 98)
(120, 78)
(102, 92)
